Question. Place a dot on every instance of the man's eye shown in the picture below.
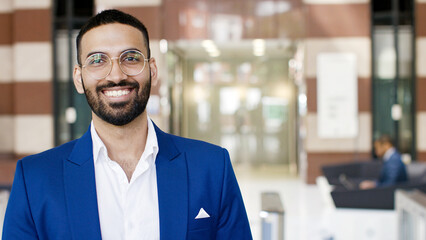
(132, 58)
(97, 60)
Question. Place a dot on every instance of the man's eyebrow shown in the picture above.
(91, 53)
(129, 49)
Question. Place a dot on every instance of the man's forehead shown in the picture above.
(110, 34)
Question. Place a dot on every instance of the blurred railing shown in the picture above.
(411, 210)
(272, 215)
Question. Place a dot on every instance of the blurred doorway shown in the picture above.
(240, 99)
(393, 35)
(72, 114)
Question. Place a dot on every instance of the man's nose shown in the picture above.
(116, 74)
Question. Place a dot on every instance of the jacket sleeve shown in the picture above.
(390, 172)
(233, 222)
(18, 221)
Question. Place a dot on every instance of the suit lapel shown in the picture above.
(80, 191)
(172, 187)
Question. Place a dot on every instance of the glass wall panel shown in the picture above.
(246, 104)
(393, 73)
(72, 114)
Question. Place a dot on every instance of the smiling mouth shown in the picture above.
(116, 93)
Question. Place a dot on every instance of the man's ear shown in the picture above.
(78, 79)
(153, 71)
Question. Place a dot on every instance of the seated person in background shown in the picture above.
(393, 170)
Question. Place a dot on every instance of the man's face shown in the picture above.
(380, 148)
(117, 99)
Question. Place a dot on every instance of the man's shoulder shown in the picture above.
(396, 157)
(203, 157)
(205, 161)
(194, 145)
(54, 154)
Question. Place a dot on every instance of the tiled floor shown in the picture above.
(308, 215)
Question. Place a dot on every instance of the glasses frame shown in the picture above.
(146, 60)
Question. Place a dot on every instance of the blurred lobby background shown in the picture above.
(286, 86)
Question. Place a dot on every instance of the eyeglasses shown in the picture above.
(99, 65)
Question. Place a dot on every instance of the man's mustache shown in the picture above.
(123, 83)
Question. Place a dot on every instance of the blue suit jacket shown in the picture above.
(54, 193)
(393, 171)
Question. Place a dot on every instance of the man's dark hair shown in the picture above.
(385, 138)
(108, 17)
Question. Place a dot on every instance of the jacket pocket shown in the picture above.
(200, 229)
(200, 234)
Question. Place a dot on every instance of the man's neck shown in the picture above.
(125, 144)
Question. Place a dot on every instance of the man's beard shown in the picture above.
(120, 113)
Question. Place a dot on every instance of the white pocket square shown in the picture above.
(202, 214)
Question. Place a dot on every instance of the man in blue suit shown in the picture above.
(393, 170)
(125, 178)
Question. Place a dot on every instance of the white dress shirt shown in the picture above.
(127, 210)
(388, 154)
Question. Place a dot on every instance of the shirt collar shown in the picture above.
(97, 143)
(151, 146)
(389, 153)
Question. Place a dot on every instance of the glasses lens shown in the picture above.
(98, 65)
(132, 62)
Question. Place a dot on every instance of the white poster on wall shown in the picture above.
(337, 95)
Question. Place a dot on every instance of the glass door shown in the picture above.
(393, 73)
(72, 114)
(245, 104)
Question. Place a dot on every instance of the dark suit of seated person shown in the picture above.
(393, 170)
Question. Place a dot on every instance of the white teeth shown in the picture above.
(118, 93)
